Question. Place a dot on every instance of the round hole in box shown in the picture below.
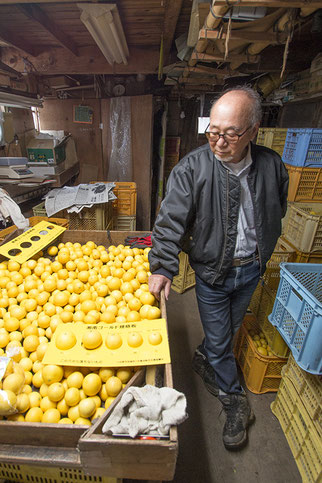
(43, 232)
(14, 252)
(35, 238)
(25, 245)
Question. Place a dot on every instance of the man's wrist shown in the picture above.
(164, 272)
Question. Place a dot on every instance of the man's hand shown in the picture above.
(157, 283)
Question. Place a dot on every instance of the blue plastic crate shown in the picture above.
(297, 313)
(303, 147)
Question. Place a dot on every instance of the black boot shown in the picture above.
(239, 417)
(202, 367)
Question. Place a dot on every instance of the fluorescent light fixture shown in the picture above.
(14, 100)
(104, 24)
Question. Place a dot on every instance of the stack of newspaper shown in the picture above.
(75, 198)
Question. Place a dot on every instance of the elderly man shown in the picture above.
(223, 206)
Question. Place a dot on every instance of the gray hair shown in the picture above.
(255, 107)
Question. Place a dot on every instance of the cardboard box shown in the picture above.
(44, 152)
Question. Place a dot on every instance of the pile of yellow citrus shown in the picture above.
(261, 343)
(76, 283)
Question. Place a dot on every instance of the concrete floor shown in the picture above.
(202, 456)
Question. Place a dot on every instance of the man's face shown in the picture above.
(230, 116)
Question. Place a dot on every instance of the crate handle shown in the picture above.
(297, 294)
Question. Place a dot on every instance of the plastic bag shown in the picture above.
(12, 380)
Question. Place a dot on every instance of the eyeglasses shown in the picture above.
(230, 138)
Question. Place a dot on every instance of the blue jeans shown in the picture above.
(222, 309)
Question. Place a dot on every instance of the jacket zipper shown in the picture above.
(255, 220)
(225, 239)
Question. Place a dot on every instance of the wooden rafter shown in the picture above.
(216, 34)
(172, 11)
(210, 71)
(15, 41)
(201, 80)
(5, 69)
(202, 57)
(270, 3)
(35, 13)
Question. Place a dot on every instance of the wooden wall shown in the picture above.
(93, 144)
(58, 115)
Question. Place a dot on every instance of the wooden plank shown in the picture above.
(202, 69)
(273, 37)
(35, 13)
(202, 57)
(201, 80)
(50, 62)
(16, 42)
(172, 11)
(274, 3)
(8, 70)
(39, 455)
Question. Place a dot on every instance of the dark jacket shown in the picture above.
(199, 213)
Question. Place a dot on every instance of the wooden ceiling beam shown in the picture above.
(202, 57)
(201, 80)
(210, 71)
(172, 12)
(57, 61)
(17, 42)
(34, 12)
(217, 34)
(5, 69)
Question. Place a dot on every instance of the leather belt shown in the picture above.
(239, 262)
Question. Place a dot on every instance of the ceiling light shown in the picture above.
(104, 24)
(14, 100)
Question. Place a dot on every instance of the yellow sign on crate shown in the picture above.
(31, 242)
(129, 344)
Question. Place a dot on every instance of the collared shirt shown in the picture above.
(246, 242)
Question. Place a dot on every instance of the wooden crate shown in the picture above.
(186, 276)
(61, 445)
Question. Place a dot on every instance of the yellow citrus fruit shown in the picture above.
(4, 339)
(147, 298)
(66, 315)
(23, 403)
(14, 382)
(65, 340)
(52, 251)
(37, 379)
(43, 390)
(72, 396)
(154, 313)
(11, 324)
(113, 386)
(56, 391)
(31, 343)
(155, 338)
(18, 312)
(105, 373)
(34, 415)
(51, 416)
(75, 379)
(73, 413)
(82, 422)
(52, 373)
(46, 403)
(134, 339)
(107, 317)
(26, 389)
(41, 350)
(43, 320)
(124, 374)
(109, 401)
(92, 339)
(16, 417)
(87, 407)
(92, 384)
(98, 413)
(63, 407)
(34, 399)
(60, 298)
(113, 341)
(65, 421)
(133, 316)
